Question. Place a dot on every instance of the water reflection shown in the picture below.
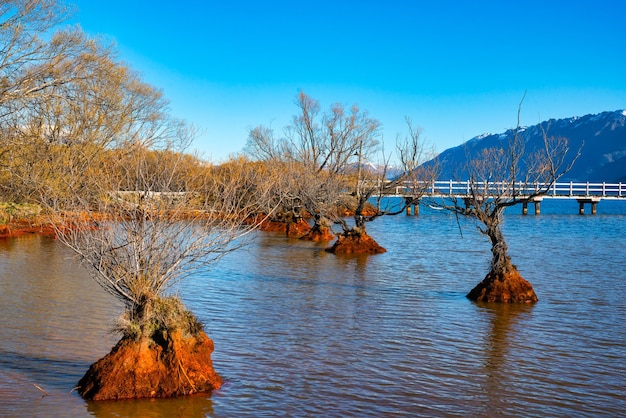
(47, 294)
(194, 406)
(357, 262)
(499, 366)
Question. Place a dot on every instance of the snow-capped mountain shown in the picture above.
(603, 156)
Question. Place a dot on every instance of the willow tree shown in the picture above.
(26, 56)
(323, 157)
(155, 225)
(94, 145)
(312, 157)
(373, 190)
(54, 138)
(155, 216)
(500, 178)
(144, 215)
(285, 204)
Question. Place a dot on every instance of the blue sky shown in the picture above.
(457, 69)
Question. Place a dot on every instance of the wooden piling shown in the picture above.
(593, 201)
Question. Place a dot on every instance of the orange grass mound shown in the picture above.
(318, 234)
(49, 225)
(508, 287)
(346, 211)
(26, 227)
(297, 229)
(290, 229)
(174, 365)
(355, 244)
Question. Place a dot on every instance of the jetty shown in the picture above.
(585, 193)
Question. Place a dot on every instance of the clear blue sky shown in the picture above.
(457, 68)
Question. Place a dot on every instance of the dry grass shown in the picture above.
(156, 316)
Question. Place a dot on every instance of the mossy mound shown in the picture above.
(506, 287)
(355, 243)
(289, 228)
(167, 365)
(318, 234)
(163, 353)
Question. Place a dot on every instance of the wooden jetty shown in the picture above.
(585, 193)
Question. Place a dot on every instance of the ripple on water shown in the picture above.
(299, 332)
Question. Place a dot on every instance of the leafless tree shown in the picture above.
(98, 149)
(314, 155)
(152, 228)
(328, 156)
(500, 178)
(374, 189)
(410, 178)
(84, 137)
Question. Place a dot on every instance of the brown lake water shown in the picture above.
(299, 332)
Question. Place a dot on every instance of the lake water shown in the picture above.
(299, 332)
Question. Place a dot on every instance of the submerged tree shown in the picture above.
(498, 179)
(325, 160)
(159, 217)
(311, 159)
(372, 189)
(85, 138)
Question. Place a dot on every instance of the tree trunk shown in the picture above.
(500, 260)
(359, 221)
(503, 283)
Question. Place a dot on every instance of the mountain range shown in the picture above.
(602, 137)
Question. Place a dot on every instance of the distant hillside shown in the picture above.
(603, 155)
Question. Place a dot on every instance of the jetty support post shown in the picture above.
(413, 207)
(591, 200)
(536, 201)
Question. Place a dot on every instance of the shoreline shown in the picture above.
(26, 227)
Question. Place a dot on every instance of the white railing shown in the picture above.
(564, 190)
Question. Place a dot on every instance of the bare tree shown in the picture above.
(84, 137)
(500, 178)
(159, 218)
(374, 190)
(152, 228)
(328, 158)
(313, 157)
